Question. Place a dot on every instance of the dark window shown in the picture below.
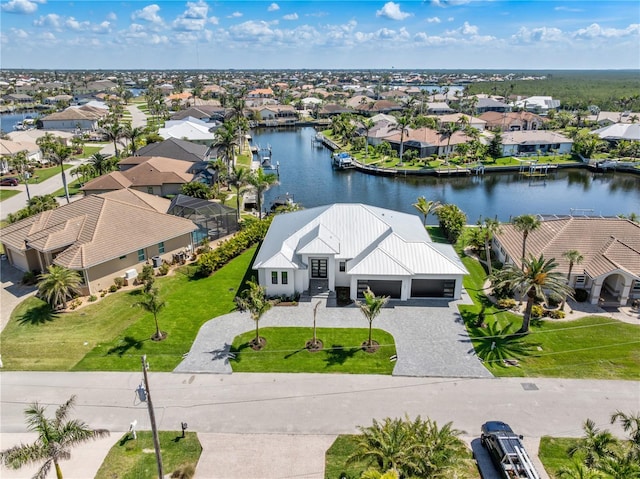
(274, 277)
(285, 277)
(141, 255)
(343, 266)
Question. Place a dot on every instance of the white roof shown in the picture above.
(191, 130)
(373, 241)
(619, 131)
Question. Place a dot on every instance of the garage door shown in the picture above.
(393, 289)
(432, 288)
(18, 260)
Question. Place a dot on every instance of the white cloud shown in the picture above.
(102, 28)
(466, 29)
(273, 7)
(568, 9)
(48, 36)
(542, 34)
(448, 3)
(213, 20)
(19, 33)
(450, 19)
(235, 15)
(148, 13)
(194, 17)
(433, 20)
(392, 10)
(21, 6)
(112, 17)
(50, 20)
(596, 31)
(291, 16)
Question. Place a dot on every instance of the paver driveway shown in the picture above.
(430, 337)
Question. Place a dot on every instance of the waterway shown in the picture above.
(306, 173)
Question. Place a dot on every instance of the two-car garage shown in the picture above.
(420, 288)
(391, 288)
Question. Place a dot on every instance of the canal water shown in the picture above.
(306, 173)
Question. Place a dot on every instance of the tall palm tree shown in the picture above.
(525, 224)
(254, 299)
(440, 448)
(20, 163)
(574, 257)
(224, 141)
(56, 436)
(99, 162)
(58, 284)
(371, 308)
(538, 277)
(630, 424)
(114, 131)
(403, 125)
(489, 229)
(367, 125)
(261, 183)
(60, 154)
(132, 134)
(426, 207)
(153, 304)
(239, 178)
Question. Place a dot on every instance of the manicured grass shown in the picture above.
(553, 453)
(135, 458)
(4, 194)
(43, 174)
(88, 151)
(113, 333)
(285, 352)
(336, 466)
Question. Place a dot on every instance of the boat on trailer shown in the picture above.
(342, 160)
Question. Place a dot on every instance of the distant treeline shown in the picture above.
(576, 90)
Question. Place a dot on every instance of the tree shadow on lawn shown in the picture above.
(338, 354)
(501, 347)
(125, 344)
(229, 353)
(39, 315)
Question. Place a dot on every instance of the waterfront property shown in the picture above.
(610, 270)
(100, 236)
(356, 246)
(535, 141)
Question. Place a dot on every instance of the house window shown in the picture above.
(636, 287)
(274, 277)
(141, 255)
(285, 277)
(343, 266)
(161, 247)
(123, 256)
(580, 280)
(150, 190)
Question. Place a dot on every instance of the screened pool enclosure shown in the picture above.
(214, 220)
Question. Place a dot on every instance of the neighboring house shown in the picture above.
(333, 109)
(276, 112)
(538, 104)
(428, 142)
(457, 119)
(378, 106)
(356, 246)
(491, 104)
(18, 98)
(54, 100)
(73, 118)
(530, 142)
(100, 236)
(8, 149)
(154, 175)
(605, 118)
(610, 271)
(205, 113)
(619, 131)
(512, 121)
(438, 108)
(177, 149)
(190, 129)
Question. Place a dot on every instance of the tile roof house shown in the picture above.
(529, 142)
(8, 149)
(427, 141)
(512, 120)
(176, 148)
(100, 236)
(610, 271)
(356, 246)
(73, 118)
(154, 175)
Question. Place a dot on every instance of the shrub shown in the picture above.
(75, 303)
(186, 471)
(147, 273)
(118, 282)
(452, 221)
(93, 298)
(163, 270)
(556, 314)
(30, 278)
(537, 311)
(554, 300)
(581, 295)
(113, 288)
(507, 303)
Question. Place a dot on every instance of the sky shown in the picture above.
(323, 34)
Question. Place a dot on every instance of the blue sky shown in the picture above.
(429, 34)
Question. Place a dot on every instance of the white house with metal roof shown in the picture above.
(356, 246)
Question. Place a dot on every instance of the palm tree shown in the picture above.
(239, 178)
(538, 277)
(525, 224)
(403, 125)
(20, 162)
(99, 162)
(367, 125)
(132, 134)
(371, 308)
(631, 425)
(261, 183)
(224, 141)
(489, 229)
(577, 470)
(58, 284)
(440, 449)
(60, 154)
(425, 207)
(113, 131)
(153, 304)
(574, 257)
(254, 300)
(38, 204)
(56, 436)
(595, 445)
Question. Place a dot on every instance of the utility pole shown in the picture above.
(152, 418)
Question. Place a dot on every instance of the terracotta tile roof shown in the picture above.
(606, 243)
(111, 181)
(429, 136)
(98, 228)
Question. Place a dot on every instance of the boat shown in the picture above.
(26, 124)
(264, 155)
(283, 201)
(342, 160)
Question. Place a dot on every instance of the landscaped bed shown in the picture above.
(285, 352)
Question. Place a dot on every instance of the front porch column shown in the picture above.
(596, 287)
(624, 295)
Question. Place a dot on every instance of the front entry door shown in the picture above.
(319, 268)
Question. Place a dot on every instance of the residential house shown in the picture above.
(537, 104)
(610, 270)
(18, 98)
(534, 141)
(100, 236)
(190, 129)
(276, 112)
(175, 148)
(491, 104)
(427, 141)
(74, 118)
(378, 106)
(512, 121)
(333, 109)
(154, 175)
(54, 100)
(460, 119)
(619, 131)
(439, 108)
(356, 246)
(206, 113)
(8, 150)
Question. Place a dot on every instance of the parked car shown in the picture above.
(507, 451)
(9, 181)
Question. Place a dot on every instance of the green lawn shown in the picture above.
(285, 351)
(135, 458)
(4, 194)
(553, 453)
(88, 151)
(111, 334)
(43, 174)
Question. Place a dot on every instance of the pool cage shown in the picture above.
(214, 220)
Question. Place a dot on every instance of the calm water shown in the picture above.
(8, 121)
(305, 172)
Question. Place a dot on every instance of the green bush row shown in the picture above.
(253, 232)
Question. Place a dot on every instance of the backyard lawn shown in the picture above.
(285, 352)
